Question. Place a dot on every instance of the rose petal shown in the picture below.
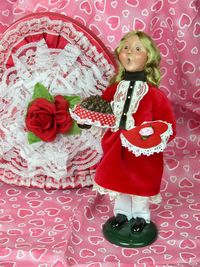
(64, 121)
(61, 103)
(40, 119)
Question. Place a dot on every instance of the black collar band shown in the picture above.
(134, 76)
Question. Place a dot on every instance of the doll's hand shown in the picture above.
(84, 126)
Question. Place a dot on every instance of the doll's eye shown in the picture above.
(126, 47)
(137, 48)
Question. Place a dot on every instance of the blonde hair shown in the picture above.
(151, 69)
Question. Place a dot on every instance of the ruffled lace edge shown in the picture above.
(79, 180)
(156, 199)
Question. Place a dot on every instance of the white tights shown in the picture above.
(132, 206)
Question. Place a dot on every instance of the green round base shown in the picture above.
(124, 237)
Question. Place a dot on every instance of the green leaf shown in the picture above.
(73, 100)
(74, 129)
(40, 91)
(32, 138)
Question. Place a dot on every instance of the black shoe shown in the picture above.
(118, 221)
(138, 225)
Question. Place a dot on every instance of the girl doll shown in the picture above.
(135, 99)
(134, 181)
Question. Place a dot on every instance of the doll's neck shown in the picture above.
(134, 76)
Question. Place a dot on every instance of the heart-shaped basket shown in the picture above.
(148, 138)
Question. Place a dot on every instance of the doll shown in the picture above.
(133, 181)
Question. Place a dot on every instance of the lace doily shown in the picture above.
(77, 68)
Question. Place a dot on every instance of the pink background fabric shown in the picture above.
(63, 227)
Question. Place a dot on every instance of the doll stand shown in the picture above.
(124, 237)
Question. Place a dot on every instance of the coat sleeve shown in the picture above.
(162, 110)
(109, 92)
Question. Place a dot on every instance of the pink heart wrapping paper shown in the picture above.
(63, 227)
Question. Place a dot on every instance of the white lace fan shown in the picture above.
(68, 59)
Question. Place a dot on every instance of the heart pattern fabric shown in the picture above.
(41, 227)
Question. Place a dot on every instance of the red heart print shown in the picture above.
(102, 208)
(128, 253)
(52, 211)
(95, 240)
(157, 6)
(87, 253)
(166, 214)
(86, 7)
(13, 192)
(35, 232)
(154, 22)
(147, 261)
(174, 202)
(100, 5)
(193, 124)
(4, 252)
(63, 4)
(180, 44)
(196, 94)
(157, 34)
(188, 67)
(111, 258)
(6, 218)
(171, 163)
(185, 21)
(163, 49)
(139, 24)
(195, 206)
(88, 213)
(37, 253)
(187, 244)
(113, 22)
(76, 225)
(4, 241)
(76, 240)
(133, 3)
(165, 234)
(183, 224)
(185, 183)
(37, 222)
(187, 257)
(197, 217)
(34, 203)
(62, 244)
(64, 200)
(60, 227)
(158, 249)
(14, 232)
(32, 194)
(23, 213)
(170, 23)
(197, 29)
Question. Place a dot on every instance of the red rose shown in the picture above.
(45, 119)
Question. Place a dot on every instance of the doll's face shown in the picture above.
(133, 55)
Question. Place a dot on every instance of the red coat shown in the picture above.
(120, 170)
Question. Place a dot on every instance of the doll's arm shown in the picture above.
(162, 110)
